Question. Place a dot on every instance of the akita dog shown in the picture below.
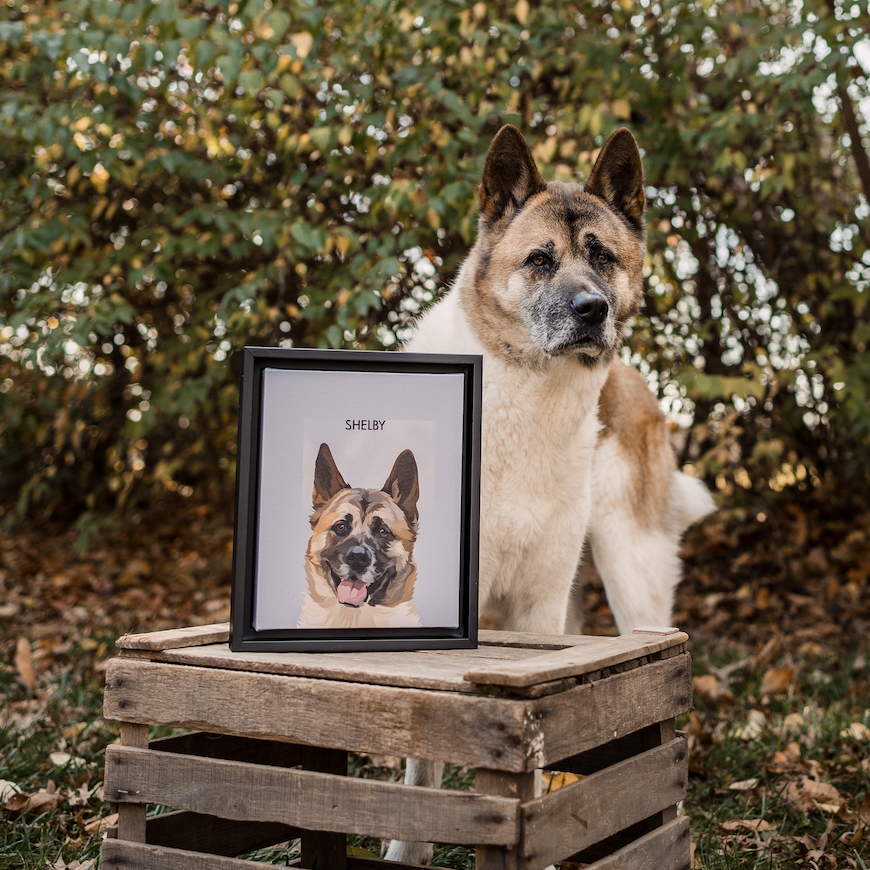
(360, 560)
(575, 449)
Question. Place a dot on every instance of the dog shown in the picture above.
(360, 559)
(575, 450)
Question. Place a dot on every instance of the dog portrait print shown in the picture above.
(359, 564)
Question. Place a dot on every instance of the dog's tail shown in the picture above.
(689, 501)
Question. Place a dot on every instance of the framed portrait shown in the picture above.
(357, 501)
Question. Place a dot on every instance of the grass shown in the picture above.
(779, 748)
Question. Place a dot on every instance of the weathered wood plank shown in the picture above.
(219, 632)
(325, 850)
(574, 661)
(245, 792)
(665, 848)
(201, 833)
(231, 748)
(131, 817)
(488, 637)
(496, 733)
(565, 821)
(519, 786)
(441, 670)
(175, 638)
(595, 713)
(121, 855)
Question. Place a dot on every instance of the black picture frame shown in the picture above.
(253, 586)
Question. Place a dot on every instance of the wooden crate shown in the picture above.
(267, 761)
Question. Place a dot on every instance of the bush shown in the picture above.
(179, 179)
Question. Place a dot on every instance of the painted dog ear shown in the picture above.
(403, 484)
(510, 176)
(327, 479)
(617, 178)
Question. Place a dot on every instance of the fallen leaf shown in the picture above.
(98, 824)
(7, 790)
(777, 681)
(858, 730)
(757, 825)
(24, 663)
(59, 759)
(864, 810)
(552, 781)
(744, 784)
(808, 795)
(706, 685)
(755, 726)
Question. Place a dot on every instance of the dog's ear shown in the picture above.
(617, 178)
(510, 176)
(403, 485)
(327, 478)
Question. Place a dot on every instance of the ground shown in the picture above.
(776, 606)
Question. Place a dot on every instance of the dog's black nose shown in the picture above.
(358, 558)
(589, 307)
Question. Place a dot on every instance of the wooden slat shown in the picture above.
(495, 733)
(527, 640)
(520, 786)
(569, 819)
(231, 748)
(175, 638)
(592, 714)
(574, 660)
(131, 817)
(325, 850)
(121, 855)
(666, 848)
(441, 670)
(201, 833)
(234, 790)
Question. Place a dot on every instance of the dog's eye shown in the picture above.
(539, 258)
(383, 532)
(340, 528)
(603, 258)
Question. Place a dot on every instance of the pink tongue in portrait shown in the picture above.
(352, 592)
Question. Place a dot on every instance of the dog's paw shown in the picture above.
(409, 853)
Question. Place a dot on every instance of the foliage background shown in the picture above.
(179, 179)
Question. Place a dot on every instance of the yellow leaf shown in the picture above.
(99, 177)
(521, 10)
(24, 663)
(303, 42)
(621, 108)
(433, 218)
(552, 781)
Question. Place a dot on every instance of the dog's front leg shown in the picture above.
(427, 774)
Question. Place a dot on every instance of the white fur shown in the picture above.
(548, 486)
(535, 489)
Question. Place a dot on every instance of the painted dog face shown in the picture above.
(558, 268)
(362, 544)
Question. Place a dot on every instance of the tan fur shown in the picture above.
(629, 413)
